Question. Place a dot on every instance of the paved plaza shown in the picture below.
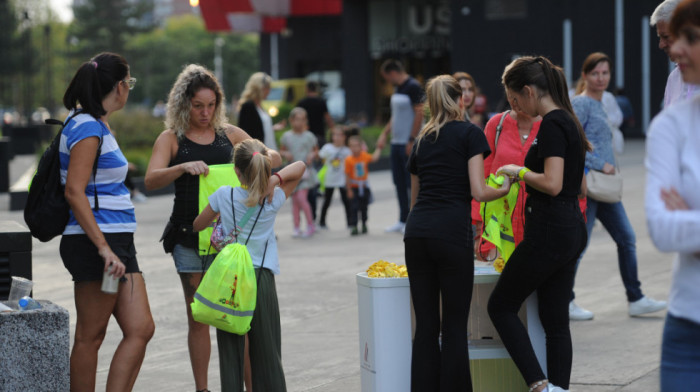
(318, 297)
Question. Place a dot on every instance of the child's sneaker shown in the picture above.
(309, 232)
(354, 231)
(296, 233)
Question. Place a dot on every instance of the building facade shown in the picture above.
(434, 37)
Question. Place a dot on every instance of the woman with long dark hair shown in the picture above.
(555, 233)
(99, 235)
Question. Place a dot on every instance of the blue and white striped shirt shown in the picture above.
(116, 213)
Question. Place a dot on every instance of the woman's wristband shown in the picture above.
(521, 173)
(279, 177)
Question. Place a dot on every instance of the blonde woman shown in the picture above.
(197, 136)
(251, 116)
(447, 170)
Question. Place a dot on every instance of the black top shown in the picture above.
(413, 89)
(249, 120)
(316, 110)
(185, 208)
(557, 137)
(443, 205)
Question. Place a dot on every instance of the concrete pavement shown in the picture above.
(318, 298)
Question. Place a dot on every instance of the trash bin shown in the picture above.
(15, 254)
(385, 333)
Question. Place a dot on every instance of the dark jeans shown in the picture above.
(328, 197)
(401, 177)
(545, 261)
(438, 267)
(680, 355)
(614, 219)
(358, 205)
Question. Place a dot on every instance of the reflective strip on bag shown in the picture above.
(221, 308)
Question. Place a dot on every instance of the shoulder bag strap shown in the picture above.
(499, 128)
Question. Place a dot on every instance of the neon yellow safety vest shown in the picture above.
(219, 175)
(496, 215)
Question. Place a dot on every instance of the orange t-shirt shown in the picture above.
(357, 167)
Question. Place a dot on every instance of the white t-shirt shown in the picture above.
(673, 161)
(220, 201)
(334, 158)
(268, 129)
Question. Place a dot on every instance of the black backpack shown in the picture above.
(46, 211)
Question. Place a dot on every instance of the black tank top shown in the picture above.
(185, 208)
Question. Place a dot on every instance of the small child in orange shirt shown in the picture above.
(356, 175)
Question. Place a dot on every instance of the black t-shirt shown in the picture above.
(316, 110)
(557, 137)
(443, 205)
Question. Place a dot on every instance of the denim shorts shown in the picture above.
(188, 260)
(81, 259)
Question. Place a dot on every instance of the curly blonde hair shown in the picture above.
(192, 79)
(254, 88)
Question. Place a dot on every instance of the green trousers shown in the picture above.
(265, 339)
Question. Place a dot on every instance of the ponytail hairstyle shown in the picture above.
(443, 93)
(548, 79)
(251, 159)
(588, 65)
(93, 81)
(193, 78)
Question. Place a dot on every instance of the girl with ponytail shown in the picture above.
(555, 232)
(259, 190)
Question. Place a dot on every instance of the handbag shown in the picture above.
(227, 295)
(606, 188)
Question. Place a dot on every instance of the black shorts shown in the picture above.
(81, 259)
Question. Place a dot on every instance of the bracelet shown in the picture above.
(537, 384)
(521, 173)
(280, 178)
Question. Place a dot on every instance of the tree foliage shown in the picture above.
(157, 57)
(107, 25)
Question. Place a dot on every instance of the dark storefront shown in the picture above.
(480, 36)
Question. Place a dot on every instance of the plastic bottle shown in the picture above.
(28, 303)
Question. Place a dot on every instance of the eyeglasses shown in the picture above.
(131, 82)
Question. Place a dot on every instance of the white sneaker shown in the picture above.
(397, 227)
(296, 233)
(578, 313)
(554, 388)
(139, 197)
(646, 305)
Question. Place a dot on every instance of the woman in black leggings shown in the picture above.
(447, 169)
(555, 232)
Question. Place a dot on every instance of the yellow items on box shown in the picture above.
(499, 264)
(385, 269)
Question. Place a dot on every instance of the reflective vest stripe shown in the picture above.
(221, 308)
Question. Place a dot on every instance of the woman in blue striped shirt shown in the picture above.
(99, 235)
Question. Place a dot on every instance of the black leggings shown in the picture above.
(328, 197)
(435, 268)
(545, 261)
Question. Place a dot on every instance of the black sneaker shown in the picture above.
(364, 229)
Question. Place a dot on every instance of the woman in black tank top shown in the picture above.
(197, 136)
